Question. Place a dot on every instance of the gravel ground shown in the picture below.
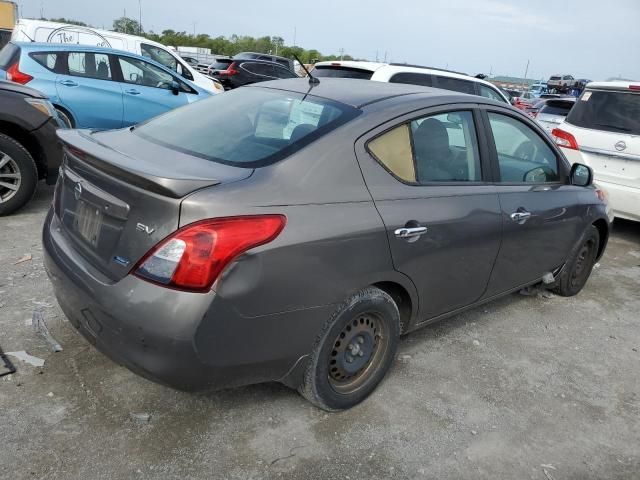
(525, 387)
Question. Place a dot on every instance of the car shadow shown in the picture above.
(627, 230)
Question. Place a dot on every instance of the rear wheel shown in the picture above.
(580, 264)
(18, 175)
(353, 352)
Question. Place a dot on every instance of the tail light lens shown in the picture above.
(231, 69)
(15, 75)
(193, 257)
(564, 139)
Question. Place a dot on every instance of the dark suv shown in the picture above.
(284, 61)
(244, 72)
(29, 149)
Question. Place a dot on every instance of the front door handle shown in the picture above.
(133, 91)
(409, 232)
(520, 216)
(68, 83)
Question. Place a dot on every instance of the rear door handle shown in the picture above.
(68, 83)
(132, 91)
(520, 216)
(409, 232)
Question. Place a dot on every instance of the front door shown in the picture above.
(427, 177)
(88, 90)
(540, 210)
(147, 90)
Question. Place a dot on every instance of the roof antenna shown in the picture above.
(312, 80)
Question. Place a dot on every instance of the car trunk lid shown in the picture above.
(116, 203)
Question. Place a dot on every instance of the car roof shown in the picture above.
(255, 60)
(359, 93)
(262, 55)
(617, 85)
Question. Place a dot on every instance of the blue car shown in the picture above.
(93, 87)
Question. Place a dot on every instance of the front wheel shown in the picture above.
(578, 268)
(353, 352)
(18, 175)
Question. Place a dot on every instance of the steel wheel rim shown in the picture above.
(365, 341)
(582, 263)
(10, 177)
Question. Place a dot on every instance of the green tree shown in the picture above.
(127, 25)
(66, 20)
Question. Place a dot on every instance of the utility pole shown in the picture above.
(194, 28)
(140, 18)
(295, 32)
(341, 53)
(526, 71)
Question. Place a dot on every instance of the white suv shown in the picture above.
(603, 131)
(413, 74)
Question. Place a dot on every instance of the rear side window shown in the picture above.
(411, 78)
(437, 148)
(9, 55)
(617, 112)
(342, 72)
(90, 65)
(48, 61)
(455, 84)
(489, 92)
(553, 107)
(523, 157)
(248, 127)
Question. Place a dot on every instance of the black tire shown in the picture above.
(15, 160)
(578, 268)
(65, 117)
(353, 352)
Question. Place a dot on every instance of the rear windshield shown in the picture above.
(341, 72)
(554, 78)
(609, 111)
(9, 55)
(557, 107)
(248, 127)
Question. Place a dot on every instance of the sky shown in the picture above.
(591, 39)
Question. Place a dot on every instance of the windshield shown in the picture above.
(248, 127)
(609, 111)
(336, 71)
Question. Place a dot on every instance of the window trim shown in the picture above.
(483, 151)
(562, 163)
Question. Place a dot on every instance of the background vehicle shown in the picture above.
(8, 18)
(538, 89)
(219, 65)
(411, 74)
(52, 32)
(524, 100)
(253, 198)
(285, 62)
(537, 103)
(603, 131)
(94, 87)
(244, 72)
(29, 150)
(560, 83)
(553, 112)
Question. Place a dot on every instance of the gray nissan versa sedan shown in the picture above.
(293, 232)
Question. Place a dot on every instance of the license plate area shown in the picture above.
(87, 222)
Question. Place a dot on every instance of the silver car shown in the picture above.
(553, 112)
(292, 232)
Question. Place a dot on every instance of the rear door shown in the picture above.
(608, 134)
(540, 213)
(147, 90)
(427, 176)
(86, 87)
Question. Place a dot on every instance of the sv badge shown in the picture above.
(143, 228)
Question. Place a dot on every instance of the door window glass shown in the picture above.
(143, 73)
(489, 92)
(455, 84)
(159, 55)
(89, 64)
(446, 148)
(422, 79)
(523, 156)
(281, 72)
(47, 60)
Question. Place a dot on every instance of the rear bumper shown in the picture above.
(184, 340)
(46, 137)
(624, 201)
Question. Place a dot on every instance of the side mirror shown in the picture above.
(536, 175)
(175, 87)
(581, 175)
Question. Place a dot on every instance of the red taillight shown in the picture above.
(564, 139)
(231, 69)
(634, 87)
(194, 256)
(15, 75)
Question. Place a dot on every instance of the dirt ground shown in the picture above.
(525, 387)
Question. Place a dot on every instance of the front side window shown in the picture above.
(143, 73)
(247, 127)
(523, 156)
(488, 92)
(437, 148)
(281, 72)
(159, 55)
(89, 64)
